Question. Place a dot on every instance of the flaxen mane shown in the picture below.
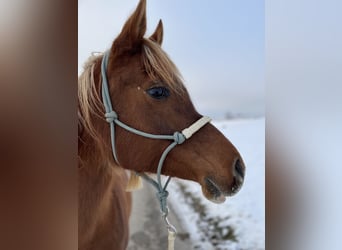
(89, 101)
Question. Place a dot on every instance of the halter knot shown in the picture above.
(179, 137)
(111, 116)
(162, 197)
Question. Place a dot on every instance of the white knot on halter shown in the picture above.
(111, 116)
(179, 137)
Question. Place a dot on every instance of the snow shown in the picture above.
(239, 223)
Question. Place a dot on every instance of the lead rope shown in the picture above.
(177, 138)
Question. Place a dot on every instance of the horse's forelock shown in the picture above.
(159, 66)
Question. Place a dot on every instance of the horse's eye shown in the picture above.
(158, 92)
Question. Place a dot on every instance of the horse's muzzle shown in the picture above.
(216, 192)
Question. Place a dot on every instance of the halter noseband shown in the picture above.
(177, 138)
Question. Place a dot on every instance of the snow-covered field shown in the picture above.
(239, 223)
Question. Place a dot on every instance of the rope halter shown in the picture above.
(177, 138)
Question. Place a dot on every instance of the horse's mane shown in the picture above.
(89, 101)
(158, 66)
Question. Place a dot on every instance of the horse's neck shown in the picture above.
(94, 193)
(104, 208)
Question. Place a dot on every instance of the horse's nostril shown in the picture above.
(239, 168)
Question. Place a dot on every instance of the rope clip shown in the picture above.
(170, 228)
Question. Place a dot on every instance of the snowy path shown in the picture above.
(147, 230)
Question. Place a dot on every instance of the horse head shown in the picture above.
(147, 93)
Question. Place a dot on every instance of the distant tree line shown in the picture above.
(229, 115)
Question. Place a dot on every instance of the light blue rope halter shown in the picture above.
(177, 138)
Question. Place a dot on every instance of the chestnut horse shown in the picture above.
(147, 93)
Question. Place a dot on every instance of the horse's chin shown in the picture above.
(212, 192)
(218, 199)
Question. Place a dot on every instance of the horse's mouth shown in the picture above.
(213, 192)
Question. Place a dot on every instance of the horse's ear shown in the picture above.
(157, 36)
(134, 29)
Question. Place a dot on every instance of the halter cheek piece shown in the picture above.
(177, 138)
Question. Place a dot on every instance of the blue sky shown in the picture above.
(217, 45)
